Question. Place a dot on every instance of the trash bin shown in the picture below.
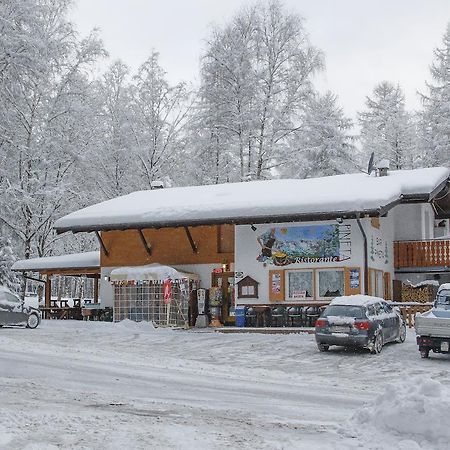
(240, 316)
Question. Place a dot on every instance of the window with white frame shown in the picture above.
(300, 284)
(330, 283)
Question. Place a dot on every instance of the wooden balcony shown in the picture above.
(421, 254)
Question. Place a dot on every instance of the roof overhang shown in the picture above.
(76, 264)
(279, 218)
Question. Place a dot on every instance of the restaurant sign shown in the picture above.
(282, 246)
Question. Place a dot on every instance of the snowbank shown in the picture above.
(415, 410)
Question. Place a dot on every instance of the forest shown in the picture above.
(70, 138)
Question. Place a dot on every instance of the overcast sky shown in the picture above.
(364, 41)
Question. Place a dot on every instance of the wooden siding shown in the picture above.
(421, 254)
(168, 246)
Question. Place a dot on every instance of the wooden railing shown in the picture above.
(421, 254)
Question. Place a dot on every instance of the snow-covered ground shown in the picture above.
(93, 385)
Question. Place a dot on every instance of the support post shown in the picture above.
(191, 240)
(102, 244)
(48, 294)
(96, 290)
(147, 246)
(366, 256)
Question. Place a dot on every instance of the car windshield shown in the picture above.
(443, 298)
(357, 312)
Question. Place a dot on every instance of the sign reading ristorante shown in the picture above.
(281, 246)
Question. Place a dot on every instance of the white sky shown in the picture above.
(364, 41)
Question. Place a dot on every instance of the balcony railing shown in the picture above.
(421, 254)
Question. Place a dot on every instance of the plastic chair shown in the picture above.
(294, 316)
(250, 317)
(278, 316)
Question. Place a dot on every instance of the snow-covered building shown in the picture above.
(280, 242)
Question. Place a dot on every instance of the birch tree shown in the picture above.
(160, 113)
(45, 124)
(112, 156)
(256, 78)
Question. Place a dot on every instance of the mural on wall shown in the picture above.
(281, 246)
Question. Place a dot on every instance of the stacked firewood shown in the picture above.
(421, 294)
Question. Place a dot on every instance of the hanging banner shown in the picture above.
(167, 290)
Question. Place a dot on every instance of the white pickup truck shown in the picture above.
(433, 327)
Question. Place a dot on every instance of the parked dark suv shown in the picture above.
(359, 321)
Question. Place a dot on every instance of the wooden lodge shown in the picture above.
(286, 247)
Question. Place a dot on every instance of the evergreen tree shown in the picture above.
(323, 145)
(387, 128)
(434, 125)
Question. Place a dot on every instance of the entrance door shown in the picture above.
(225, 281)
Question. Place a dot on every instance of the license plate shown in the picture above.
(339, 329)
(445, 346)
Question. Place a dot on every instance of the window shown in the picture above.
(376, 283)
(378, 308)
(371, 310)
(300, 284)
(356, 312)
(11, 298)
(330, 283)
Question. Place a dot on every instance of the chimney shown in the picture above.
(383, 167)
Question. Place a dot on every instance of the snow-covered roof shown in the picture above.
(355, 300)
(152, 272)
(87, 260)
(258, 201)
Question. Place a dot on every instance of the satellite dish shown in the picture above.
(370, 166)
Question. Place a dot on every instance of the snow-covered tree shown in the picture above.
(324, 145)
(8, 278)
(256, 80)
(112, 156)
(387, 128)
(434, 124)
(45, 117)
(159, 116)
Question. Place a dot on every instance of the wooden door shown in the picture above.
(222, 281)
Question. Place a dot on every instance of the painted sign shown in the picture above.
(305, 244)
(354, 278)
(276, 283)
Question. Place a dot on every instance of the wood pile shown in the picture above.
(421, 294)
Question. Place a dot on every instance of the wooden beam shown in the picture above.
(191, 240)
(72, 272)
(102, 244)
(147, 246)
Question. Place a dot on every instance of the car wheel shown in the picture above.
(377, 345)
(402, 333)
(33, 321)
(323, 347)
(425, 353)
